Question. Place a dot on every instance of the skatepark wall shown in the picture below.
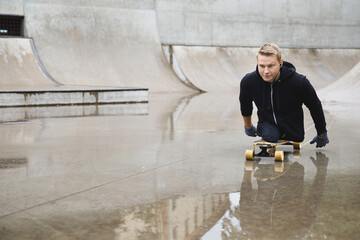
(118, 42)
(293, 24)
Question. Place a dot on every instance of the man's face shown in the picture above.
(269, 67)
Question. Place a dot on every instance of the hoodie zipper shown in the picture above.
(272, 103)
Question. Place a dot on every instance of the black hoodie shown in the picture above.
(289, 93)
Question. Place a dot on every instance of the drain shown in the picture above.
(11, 25)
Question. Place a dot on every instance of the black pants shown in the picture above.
(269, 132)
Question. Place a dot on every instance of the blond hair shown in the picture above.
(269, 49)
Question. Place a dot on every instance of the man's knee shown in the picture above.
(268, 132)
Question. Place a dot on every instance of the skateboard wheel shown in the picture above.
(249, 154)
(297, 153)
(279, 156)
(279, 167)
(249, 166)
(297, 145)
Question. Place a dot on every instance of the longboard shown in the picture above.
(268, 149)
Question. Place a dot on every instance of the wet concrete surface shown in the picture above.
(175, 170)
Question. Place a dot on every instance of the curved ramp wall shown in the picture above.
(322, 66)
(212, 68)
(346, 89)
(219, 69)
(20, 67)
(100, 46)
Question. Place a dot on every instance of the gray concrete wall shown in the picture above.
(289, 23)
(15, 7)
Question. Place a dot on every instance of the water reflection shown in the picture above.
(280, 207)
(12, 163)
(274, 203)
(181, 217)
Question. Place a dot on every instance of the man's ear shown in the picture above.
(281, 62)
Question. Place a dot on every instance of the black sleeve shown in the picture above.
(246, 106)
(313, 103)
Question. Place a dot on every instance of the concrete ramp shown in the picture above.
(20, 66)
(209, 68)
(339, 61)
(322, 66)
(221, 69)
(346, 89)
(25, 82)
(101, 46)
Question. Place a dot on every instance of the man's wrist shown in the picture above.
(323, 135)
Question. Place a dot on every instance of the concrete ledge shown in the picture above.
(16, 114)
(57, 97)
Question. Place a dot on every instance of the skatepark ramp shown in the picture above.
(21, 67)
(88, 55)
(222, 68)
(101, 46)
(346, 89)
(25, 81)
(107, 47)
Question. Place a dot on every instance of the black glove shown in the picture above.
(252, 132)
(321, 140)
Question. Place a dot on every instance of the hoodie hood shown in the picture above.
(287, 70)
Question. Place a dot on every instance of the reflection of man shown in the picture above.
(279, 92)
(279, 209)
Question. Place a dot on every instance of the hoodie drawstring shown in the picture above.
(265, 97)
(277, 96)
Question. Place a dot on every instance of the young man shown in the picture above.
(279, 93)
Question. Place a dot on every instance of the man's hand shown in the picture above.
(321, 140)
(252, 132)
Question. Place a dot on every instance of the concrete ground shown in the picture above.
(175, 170)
